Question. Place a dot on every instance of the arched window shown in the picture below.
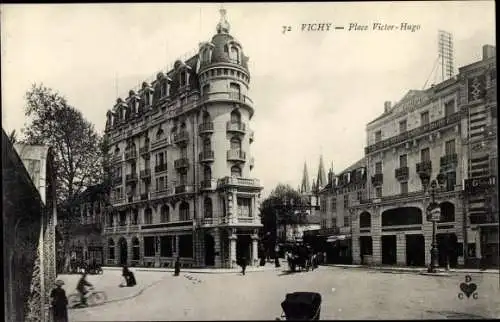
(447, 212)
(235, 117)
(235, 171)
(207, 173)
(235, 144)
(148, 216)
(207, 144)
(184, 211)
(135, 249)
(365, 220)
(235, 54)
(111, 249)
(165, 213)
(208, 208)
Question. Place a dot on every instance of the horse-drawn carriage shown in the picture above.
(299, 256)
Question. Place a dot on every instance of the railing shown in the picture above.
(118, 200)
(239, 182)
(181, 163)
(206, 156)
(246, 220)
(156, 144)
(183, 189)
(448, 120)
(209, 221)
(449, 160)
(236, 127)
(131, 177)
(131, 154)
(224, 96)
(180, 137)
(122, 229)
(161, 167)
(208, 184)
(145, 173)
(377, 179)
(161, 193)
(236, 155)
(207, 127)
(424, 167)
(117, 158)
(144, 149)
(402, 173)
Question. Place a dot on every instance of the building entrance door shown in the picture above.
(447, 246)
(243, 247)
(415, 250)
(209, 250)
(123, 251)
(389, 250)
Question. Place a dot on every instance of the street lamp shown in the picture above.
(434, 215)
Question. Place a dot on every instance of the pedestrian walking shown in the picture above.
(128, 276)
(59, 302)
(243, 264)
(177, 268)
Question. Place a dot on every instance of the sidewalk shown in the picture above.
(250, 269)
(417, 269)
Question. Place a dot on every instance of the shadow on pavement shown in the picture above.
(457, 315)
(283, 273)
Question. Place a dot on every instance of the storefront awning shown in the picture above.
(334, 238)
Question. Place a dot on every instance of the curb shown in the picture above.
(413, 270)
(193, 271)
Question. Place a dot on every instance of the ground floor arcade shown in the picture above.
(219, 247)
(400, 234)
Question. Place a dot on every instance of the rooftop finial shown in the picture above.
(223, 25)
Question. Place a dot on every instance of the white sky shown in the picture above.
(314, 92)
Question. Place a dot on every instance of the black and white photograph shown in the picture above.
(249, 161)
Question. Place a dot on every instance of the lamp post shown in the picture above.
(434, 215)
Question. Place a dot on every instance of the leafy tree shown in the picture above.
(77, 146)
(281, 208)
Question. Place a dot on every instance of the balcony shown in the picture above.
(227, 96)
(449, 161)
(402, 173)
(239, 182)
(161, 193)
(237, 127)
(210, 184)
(181, 137)
(377, 179)
(424, 169)
(236, 155)
(145, 196)
(144, 149)
(130, 154)
(117, 180)
(206, 156)
(160, 143)
(181, 163)
(206, 128)
(161, 168)
(183, 189)
(122, 229)
(398, 139)
(132, 177)
(209, 221)
(117, 158)
(145, 174)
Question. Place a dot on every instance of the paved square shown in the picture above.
(347, 294)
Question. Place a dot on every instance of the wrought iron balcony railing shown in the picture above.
(445, 121)
(402, 173)
(131, 177)
(377, 179)
(206, 127)
(181, 163)
(130, 154)
(146, 173)
(238, 127)
(181, 137)
(161, 167)
(424, 168)
(207, 156)
(449, 160)
(236, 155)
(144, 149)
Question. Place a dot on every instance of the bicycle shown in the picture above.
(93, 298)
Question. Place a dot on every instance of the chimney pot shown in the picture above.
(488, 51)
(387, 106)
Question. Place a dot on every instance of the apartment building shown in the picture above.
(182, 164)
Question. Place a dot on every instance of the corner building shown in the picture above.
(180, 149)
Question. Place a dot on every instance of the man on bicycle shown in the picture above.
(81, 287)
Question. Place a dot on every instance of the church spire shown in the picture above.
(305, 186)
(223, 26)
(321, 174)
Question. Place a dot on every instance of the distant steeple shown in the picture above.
(321, 174)
(223, 26)
(305, 186)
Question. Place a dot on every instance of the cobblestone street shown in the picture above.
(347, 294)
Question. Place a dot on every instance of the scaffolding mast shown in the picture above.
(445, 47)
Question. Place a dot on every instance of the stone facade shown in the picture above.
(182, 164)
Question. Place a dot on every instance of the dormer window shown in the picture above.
(164, 89)
(183, 78)
(235, 55)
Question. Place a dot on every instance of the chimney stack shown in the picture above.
(488, 51)
(387, 106)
